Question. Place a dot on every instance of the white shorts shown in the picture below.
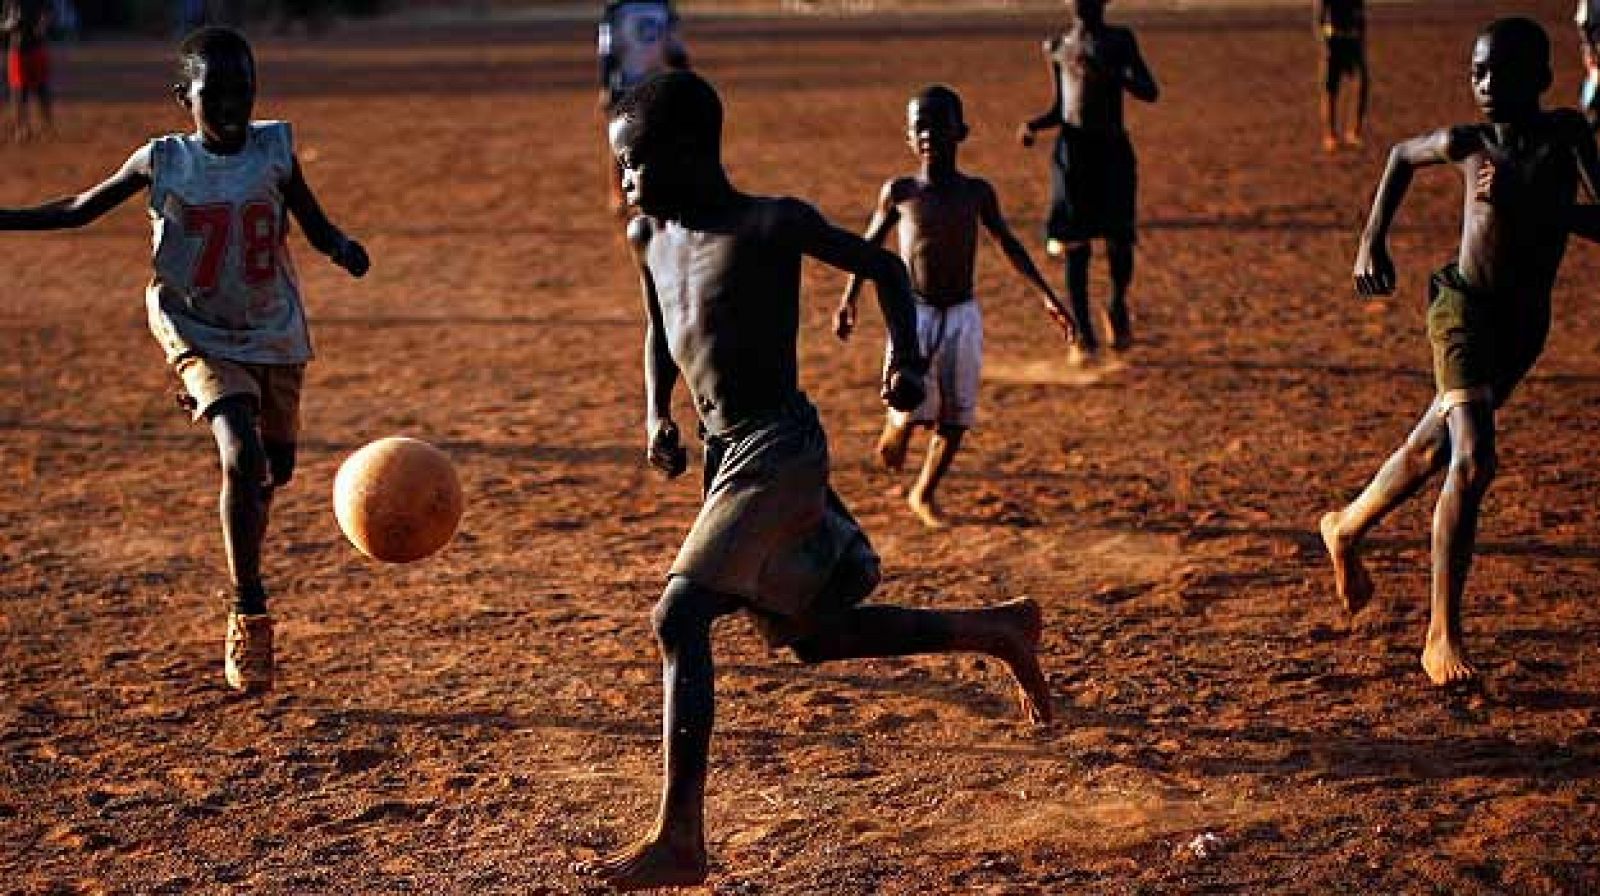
(952, 341)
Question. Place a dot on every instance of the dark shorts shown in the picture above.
(1479, 341)
(1094, 182)
(28, 69)
(1341, 57)
(772, 534)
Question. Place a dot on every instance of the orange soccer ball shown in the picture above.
(397, 499)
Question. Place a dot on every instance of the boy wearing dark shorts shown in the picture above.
(720, 272)
(1094, 176)
(1342, 27)
(1488, 311)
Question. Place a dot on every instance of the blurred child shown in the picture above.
(637, 39)
(938, 211)
(224, 303)
(1342, 26)
(27, 24)
(1488, 311)
(1094, 175)
(720, 272)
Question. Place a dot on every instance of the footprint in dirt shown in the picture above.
(1050, 371)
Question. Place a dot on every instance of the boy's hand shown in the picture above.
(352, 257)
(844, 320)
(903, 387)
(1374, 272)
(666, 453)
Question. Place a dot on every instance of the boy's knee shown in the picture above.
(244, 462)
(1474, 468)
(684, 611)
(280, 461)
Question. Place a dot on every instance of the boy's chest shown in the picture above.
(1086, 52)
(698, 274)
(939, 213)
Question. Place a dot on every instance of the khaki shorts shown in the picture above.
(1482, 347)
(275, 388)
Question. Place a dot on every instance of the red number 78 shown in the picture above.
(258, 226)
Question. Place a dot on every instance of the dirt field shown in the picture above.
(477, 722)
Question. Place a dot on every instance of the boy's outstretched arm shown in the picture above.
(814, 236)
(665, 451)
(1374, 270)
(1136, 77)
(320, 232)
(85, 207)
(995, 222)
(885, 216)
(1584, 219)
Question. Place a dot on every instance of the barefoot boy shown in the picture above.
(1342, 25)
(720, 272)
(1488, 311)
(938, 211)
(27, 24)
(223, 302)
(1093, 175)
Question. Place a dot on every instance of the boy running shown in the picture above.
(1093, 175)
(1488, 311)
(224, 303)
(720, 273)
(938, 211)
(1342, 25)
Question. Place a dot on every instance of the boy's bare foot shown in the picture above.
(1020, 653)
(1446, 663)
(892, 445)
(1350, 577)
(1120, 328)
(1330, 143)
(1352, 139)
(927, 510)
(1079, 357)
(647, 864)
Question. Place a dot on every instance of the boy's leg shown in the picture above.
(673, 853)
(1455, 529)
(1008, 632)
(942, 450)
(1328, 106)
(1119, 256)
(1407, 469)
(1078, 256)
(893, 442)
(245, 498)
(1357, 127)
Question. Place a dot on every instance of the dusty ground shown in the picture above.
(477, 722)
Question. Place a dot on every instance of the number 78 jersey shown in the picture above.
(224, 286)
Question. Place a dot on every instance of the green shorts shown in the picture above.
(1481, 343)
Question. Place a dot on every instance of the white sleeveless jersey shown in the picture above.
(224, 286)
(637, 34)
(1588, 15)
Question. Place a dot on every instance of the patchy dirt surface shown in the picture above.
(477, 722)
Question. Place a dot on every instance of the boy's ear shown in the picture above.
(1546, 77)
(962, 131)
(180, 92)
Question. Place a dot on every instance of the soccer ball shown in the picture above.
(397, 499)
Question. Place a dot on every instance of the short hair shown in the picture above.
(941, 95)
(675, 104)
(211, 42)
(1524, 36)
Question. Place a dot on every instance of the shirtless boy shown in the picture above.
(1488, 311)
(1093, 174)
(1342, 26)
(720, 273)
(938, 211)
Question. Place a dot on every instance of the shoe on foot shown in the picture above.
(247, 657)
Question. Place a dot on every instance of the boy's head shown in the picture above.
(1510, 68)
(217, 84)
(935, 124)
(1089, 12)
(667, 136)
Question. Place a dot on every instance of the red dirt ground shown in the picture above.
(477, 722)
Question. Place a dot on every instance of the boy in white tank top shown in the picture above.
(224, 302)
